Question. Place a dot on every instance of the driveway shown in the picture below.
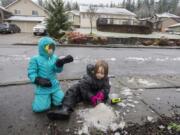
(8, 39)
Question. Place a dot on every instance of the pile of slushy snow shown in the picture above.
(100, 117)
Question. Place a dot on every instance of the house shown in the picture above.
(116, 15)
(4, 14)
(74, 18)
(26, 14)
(174, 28)
(163, 21)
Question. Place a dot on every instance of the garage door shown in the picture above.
(25, 26)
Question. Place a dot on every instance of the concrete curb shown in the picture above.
(24, 82)
(105, 46)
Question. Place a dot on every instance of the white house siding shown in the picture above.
(26, 7)
(175, 29)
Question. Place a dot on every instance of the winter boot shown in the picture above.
(61, 114)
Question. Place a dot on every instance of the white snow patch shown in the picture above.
(127, 92)
(113, 95)
(162, 59)
(158, 98)
(141, 59)
(161, 127)
(136, 102)
(114, 126)
(149, 118)
(140, 90)
(146, 82)
(117, 133)
(130, 105)
(100, 117)
(122, 105)
(131, 80)
(176, 59)
(122, 124)
(113, 59)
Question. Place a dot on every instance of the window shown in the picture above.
(84, 16)
(35, 12)
(17, 12)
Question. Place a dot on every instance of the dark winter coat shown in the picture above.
(89, 85)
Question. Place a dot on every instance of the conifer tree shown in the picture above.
(58, 18)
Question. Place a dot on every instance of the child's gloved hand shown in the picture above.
(42, 82)
(100, 96)
(94, 100)
(61, 62)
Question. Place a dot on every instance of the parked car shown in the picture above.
(40, 29)
(9, 28)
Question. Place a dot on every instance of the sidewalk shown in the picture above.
(145, 98)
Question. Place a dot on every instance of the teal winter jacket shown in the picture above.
(44, 66)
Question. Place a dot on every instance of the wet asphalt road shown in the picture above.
(122, 61)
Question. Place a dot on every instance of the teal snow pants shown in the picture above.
(42, 102)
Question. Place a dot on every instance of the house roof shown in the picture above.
(4, 9)
(175, 25)
(167, 15)
(177, 19)
(26, 18)
(108, 10)
(75, 12)
(14, 2)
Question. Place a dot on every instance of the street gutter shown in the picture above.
(105, 46)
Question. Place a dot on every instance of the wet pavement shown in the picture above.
(137, 106)
(146, 79)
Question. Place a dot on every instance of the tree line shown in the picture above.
(142, 8)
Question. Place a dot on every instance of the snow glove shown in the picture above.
(61, 62)
(98, 98)
(42, 82)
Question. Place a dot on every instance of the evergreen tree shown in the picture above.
(174, 6)
(139, 4)
(6, 2)
(128, 5)
(75, 6)
(68, 6)
(40, 2)
(124, 4)
(58, 18)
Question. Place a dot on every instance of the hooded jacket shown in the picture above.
(90, 85)
(44, 66)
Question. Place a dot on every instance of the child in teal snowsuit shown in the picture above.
(42, 71)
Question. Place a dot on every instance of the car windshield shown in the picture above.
(3, 25)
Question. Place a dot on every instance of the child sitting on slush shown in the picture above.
(93, 88)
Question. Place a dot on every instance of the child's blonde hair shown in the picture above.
(104, 64)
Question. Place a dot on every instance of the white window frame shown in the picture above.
(17, 12)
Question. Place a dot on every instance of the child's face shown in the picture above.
(49, 49)
(100, 73)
